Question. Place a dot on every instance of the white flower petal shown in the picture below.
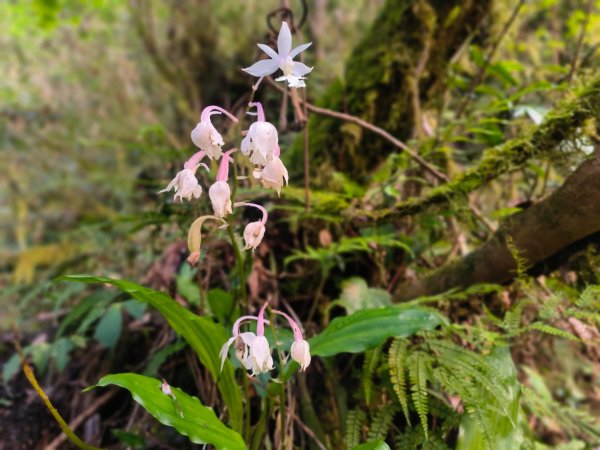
(284, 40)
(269, 51)
(225, 350)
(299, 50)
(262, 68)
(300, 69)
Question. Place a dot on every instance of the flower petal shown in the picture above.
(269, 51)
(299, 50)
(262, 68)
(225, 350)
(284, 40)
(300, 69)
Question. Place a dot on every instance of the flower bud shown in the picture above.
(253, 234)
(301, 353)
(260, 355)
(220, 196)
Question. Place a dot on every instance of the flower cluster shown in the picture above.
(260, 144)
(254, 351)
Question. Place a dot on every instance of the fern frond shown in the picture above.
(381, 422)
(549, 307)
(512, 319)
(548, 329)
(589, 298)
(355, 420)
(372, 358)
(521, 262)
(417, 373)
(396, 361)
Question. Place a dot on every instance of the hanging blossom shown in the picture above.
(242, 342)
(205, 135)
(195, 237)
(253, 350)
(273, 174)
(293, 71)
(254, 231)
(261, 140)
(185, 183)
(219, 192)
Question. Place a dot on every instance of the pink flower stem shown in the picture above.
(259, 110)
(238, 323)
(194, 160)
(295, 328)
(254, 205)
(208, 111)
(223, 173)
(260, 327)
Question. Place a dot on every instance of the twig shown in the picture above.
(396, 142)
(309, 432)
(584, 25)
(481, 73)
(369, 126)
(28, 371)
(58, 440)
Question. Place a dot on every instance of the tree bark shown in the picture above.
(567, 216)
(391, 74)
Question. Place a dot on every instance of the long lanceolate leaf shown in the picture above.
(203, 335)
(179, 410)
(368, 328)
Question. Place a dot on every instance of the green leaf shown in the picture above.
(375, 445)
(199, 423)
(221, 303)
(357, 295)
(203, 335)
(368, 328)
(492, 428)
(109, 328)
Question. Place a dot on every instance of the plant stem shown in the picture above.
(240, 266)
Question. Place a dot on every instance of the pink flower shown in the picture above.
(293, 71)
(254, 231)
(261, 141)
(260, 352)
(273, 174)
(185, 184)
(300, 348)
(243, 341)
(205, 135)
(219, 192)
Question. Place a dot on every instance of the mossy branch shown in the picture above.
(560, 126)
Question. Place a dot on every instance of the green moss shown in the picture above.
(564, 124)
(379, 82)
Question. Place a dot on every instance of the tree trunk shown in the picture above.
(569, 215)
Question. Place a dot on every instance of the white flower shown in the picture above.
(253, 234)
(273, 174)
(260, 355)
(185, 185)
(301, 353)
(261, 141)
(293, 71)
(205, 135)
(242, 346)
(220, 196)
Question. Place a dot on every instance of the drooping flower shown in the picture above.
(300, 348)
(260, 352)
(242, 341)
(185, 184)
(293, 71)
(273, 174)
(219, 192)
(261, 141)
(195, 237)
(254, 231)
(205, 135)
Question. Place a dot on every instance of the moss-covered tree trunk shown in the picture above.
(394, 72)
